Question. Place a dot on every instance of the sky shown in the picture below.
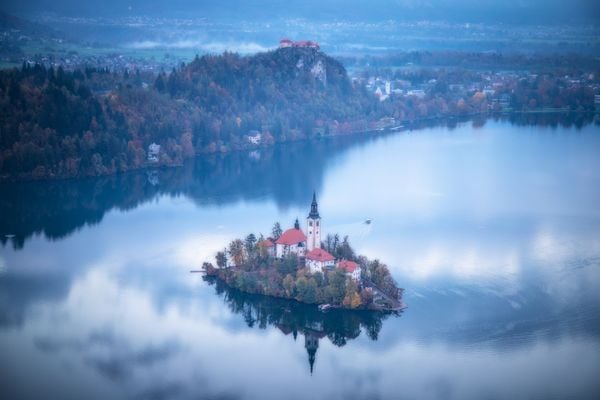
(507, 11)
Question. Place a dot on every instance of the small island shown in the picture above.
(301, 267)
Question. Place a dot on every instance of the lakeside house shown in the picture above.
(254, 137)
(153, 152)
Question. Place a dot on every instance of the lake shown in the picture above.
(492, 227)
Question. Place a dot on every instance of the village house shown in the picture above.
(153, 152)
(254, 137)
(352, 269)
(318, 260)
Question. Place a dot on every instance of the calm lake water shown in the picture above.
(492, 228)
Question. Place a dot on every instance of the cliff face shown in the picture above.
(311, 61)
(316, 63)
(286, 70)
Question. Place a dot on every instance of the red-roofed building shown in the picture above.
(351, 268)
(285, 42)
(317, 260)
(292, 236)
(292, 241)
(267, 246)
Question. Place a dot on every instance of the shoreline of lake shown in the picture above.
(404, 126)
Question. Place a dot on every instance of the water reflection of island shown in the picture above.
(294, 318)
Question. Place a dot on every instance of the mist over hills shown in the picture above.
(341, 27)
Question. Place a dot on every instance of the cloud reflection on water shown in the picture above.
(499, 253)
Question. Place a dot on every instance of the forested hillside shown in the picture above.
(57, 124)
(93, 122)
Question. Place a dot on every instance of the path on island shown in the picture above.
(379, 295)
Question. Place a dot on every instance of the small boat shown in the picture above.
(325, 307)
(368, 222)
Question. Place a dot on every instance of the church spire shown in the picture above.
(314, 208)
(311, 344)
(297, 224)
(313, 226)
(311, 359)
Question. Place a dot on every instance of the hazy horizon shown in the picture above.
(526, 12)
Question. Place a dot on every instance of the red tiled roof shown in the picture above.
(266, 243)
(349, 266)
(291, 236)
(301, 43)
(319, 255)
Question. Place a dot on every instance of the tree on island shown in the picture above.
(221, 259)
(250, 244)
(276, 231)
(236, 250)
(352, 299)
(288, 285)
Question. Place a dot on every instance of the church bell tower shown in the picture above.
(313, 226)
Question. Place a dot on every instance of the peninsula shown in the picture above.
(300, 266)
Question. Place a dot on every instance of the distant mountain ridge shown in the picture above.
(512, 11)
(26, 27)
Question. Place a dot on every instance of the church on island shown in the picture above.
(308, 246)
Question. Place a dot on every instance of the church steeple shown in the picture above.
(314, 208)
(311, 344)
(297, 224)
(313, 226)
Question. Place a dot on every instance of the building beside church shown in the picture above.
(267, 247)
(317, 260)
(352, 269)
(292, 241)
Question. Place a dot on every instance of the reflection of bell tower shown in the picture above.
(313, 226)
(311, 343)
